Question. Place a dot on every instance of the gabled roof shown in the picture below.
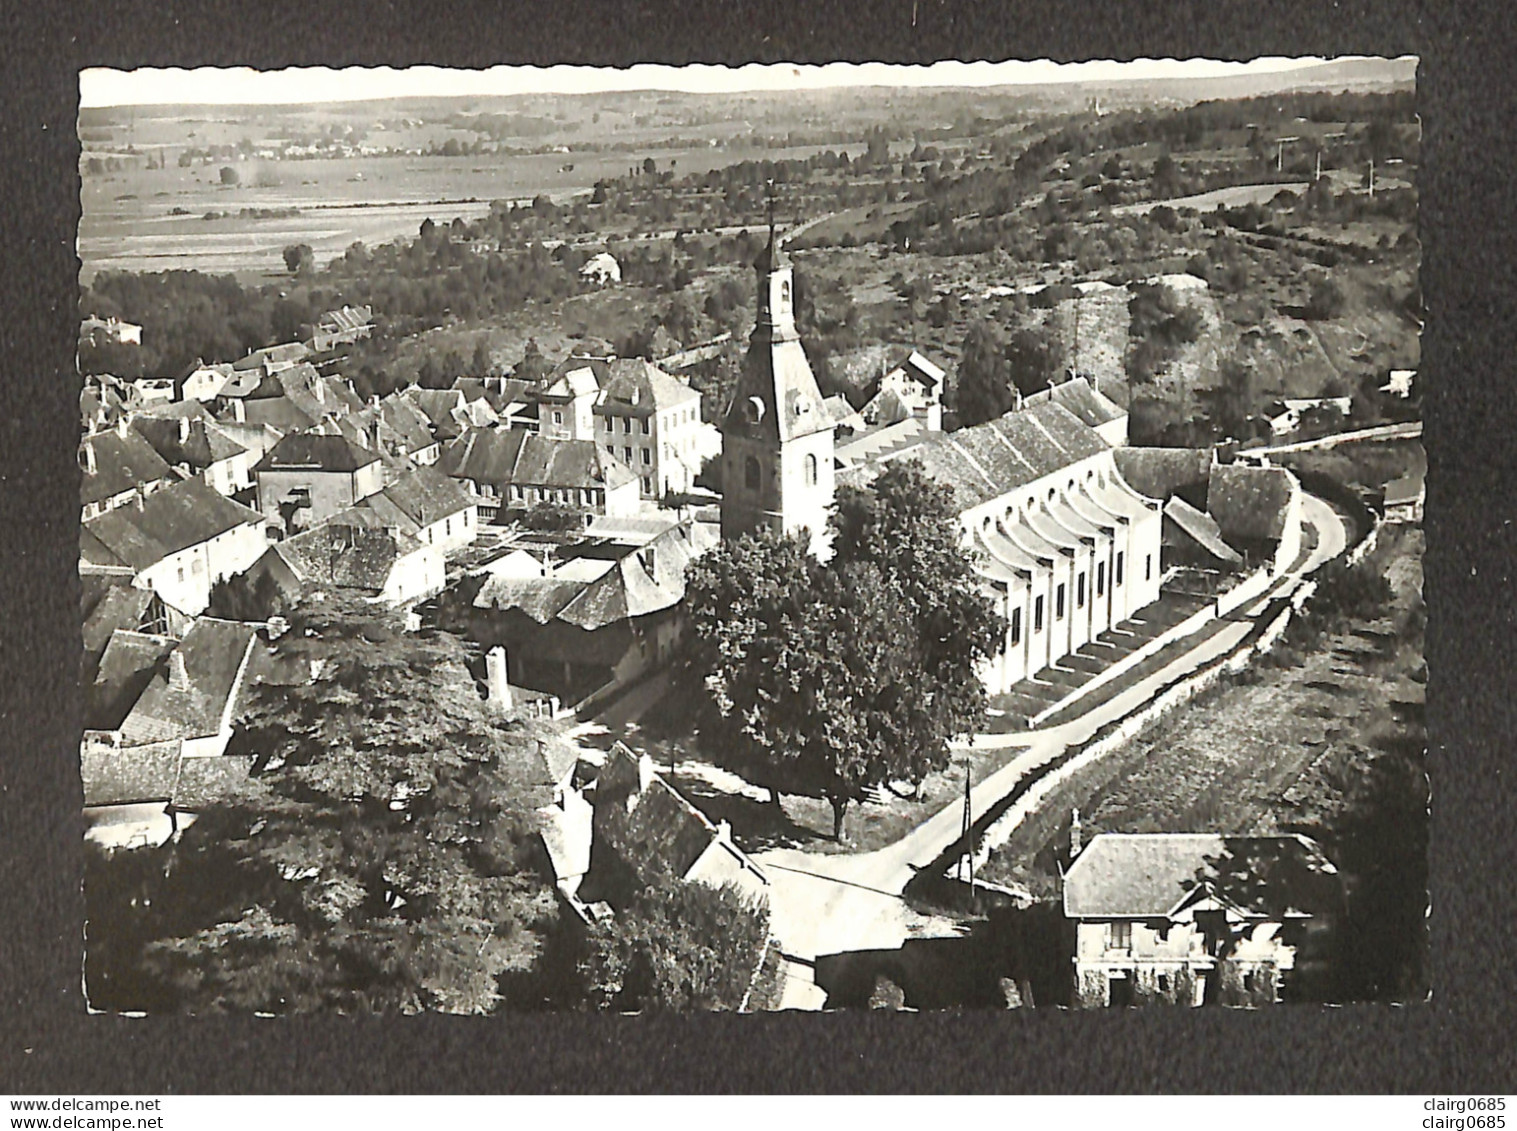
(642, 579)
(1250, 503)
(171, 519)
(214, 653)
(443, 408)
(121, 463)
(1150, 875)
(347, 318)
(990, 459)
(345, 555)
(521, 458)
(121, 605)
(191, 439)
(636, 385)
(1161, 472)
(282, 353)
(418, 499)
(1201, 527)
(1077, 395)
(126, 666)
(920, 369)
(131, 776)
(315, 451)
(497, 392)
(279, 413)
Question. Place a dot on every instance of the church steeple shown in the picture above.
(777, 449)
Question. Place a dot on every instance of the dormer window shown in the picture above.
(802, 405)
(754, 410)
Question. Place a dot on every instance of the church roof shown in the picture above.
(777, 397)
(1086, 402)
(1201, 528)
(986, 461)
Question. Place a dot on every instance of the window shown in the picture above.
(627, 424)
(627, 452)
(1100, 579)
(1037, 615)
(1080, 590)
(1148, 567)
(1164, 983)
(1119, 935)
(447, 528)
(1016, 627)
(647, 485)
(647, 457)
(811, 470)
(558, 417)
(1058, 603)
(751, 474)
(1117, 577)
(610, 424)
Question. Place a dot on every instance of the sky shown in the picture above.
(245, 86)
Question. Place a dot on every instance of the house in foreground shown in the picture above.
(1197, 918)
(378, 564)
(178, 542)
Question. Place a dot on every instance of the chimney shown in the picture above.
(179, 679)
(1076, 837)
(239, 411)
(644, 773)
(87, 457)
(496, 678)
(121, 426)
(184, 429)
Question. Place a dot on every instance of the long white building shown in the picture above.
(1060, 540)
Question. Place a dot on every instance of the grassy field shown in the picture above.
(1254, 756)
(129, 219)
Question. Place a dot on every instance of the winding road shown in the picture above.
(826, 904)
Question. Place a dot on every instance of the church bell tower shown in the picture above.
(777, 436)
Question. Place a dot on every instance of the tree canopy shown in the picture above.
(983, 391)
(382, 855)
(831, 679)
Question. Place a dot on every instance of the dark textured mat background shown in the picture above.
(1461, 1041)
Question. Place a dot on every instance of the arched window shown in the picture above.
(751, 474)
(810, 470)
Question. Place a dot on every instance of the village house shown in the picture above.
(598, 612)
(1253, 511)
(120, 468)
(159, 717)
(652, 421)
(1195, 918)
(111, 329)
(513, 402)
(308, 477)
(378, 564)
(104, 401)
(449, 413)
(155, 390)
(423, 504)
(344, 326)
(291, 399)
(109, 601)
(188, 438)
(520, 469)
(272, 359)
(178, 541)
(204, 382)
(566, 397)
(601, 269)
(914, 388)
(405, 431)
(641, 827)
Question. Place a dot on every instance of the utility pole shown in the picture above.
(967, 830)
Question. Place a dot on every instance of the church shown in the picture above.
(1060, 541)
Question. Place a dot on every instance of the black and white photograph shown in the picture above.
(775, 538)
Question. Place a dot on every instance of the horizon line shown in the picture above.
(103, 88)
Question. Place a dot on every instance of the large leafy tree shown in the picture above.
(677, 945)
(830, 679)
(382, 856)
